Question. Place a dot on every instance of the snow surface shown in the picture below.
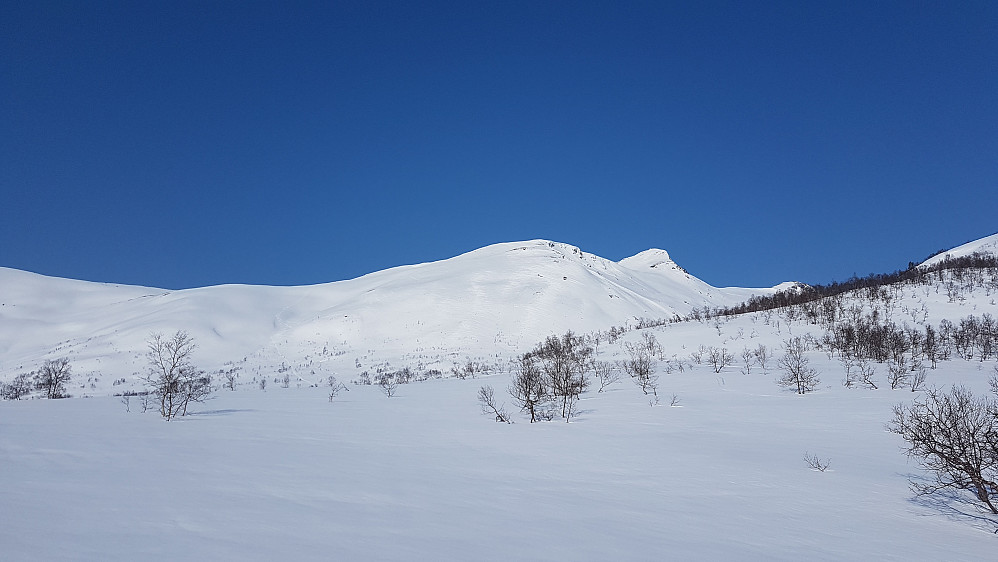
(285, 473)
(493, 302)
(423, 475)
(986, 245)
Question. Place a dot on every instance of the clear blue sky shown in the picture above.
(181, 144)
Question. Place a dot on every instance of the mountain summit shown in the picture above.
(649, 258)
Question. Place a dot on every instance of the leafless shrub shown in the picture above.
(954, 436)
(679, 364)
(388, 383)
(487, 400)
(172, 377)
(761, 356)
(230, 376)
(748, 357)
(697, 356)
(615, 333)
(404, 375)
(719, 358)
(148, 401)
(335, 387)
(816, 463)
(53, 377)
(564, 362)
(641, 368)
(674, 401)
(851, 370)
(917, 379)
(554, 373)
(866, 372)
(651, 345)
(18, 388)
(797, 374)
(529, 389)
(897, 373)
(606, 373)
(470, 369)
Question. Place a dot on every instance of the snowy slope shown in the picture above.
(495, 300)
(261, 474)
(986, 245)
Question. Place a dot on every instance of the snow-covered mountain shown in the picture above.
(491, 302)
(710, 466)
(986, 245)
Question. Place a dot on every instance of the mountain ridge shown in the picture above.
(985, 245)
(492, 301)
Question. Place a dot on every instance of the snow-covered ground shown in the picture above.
(284, 473)
(424, 475)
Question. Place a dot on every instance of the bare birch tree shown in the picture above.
(172, 377)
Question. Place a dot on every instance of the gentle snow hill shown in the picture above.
(494, 301)
(986, 245)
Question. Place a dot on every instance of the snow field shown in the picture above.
(285, 473)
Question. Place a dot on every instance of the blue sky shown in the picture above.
(182, 144)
